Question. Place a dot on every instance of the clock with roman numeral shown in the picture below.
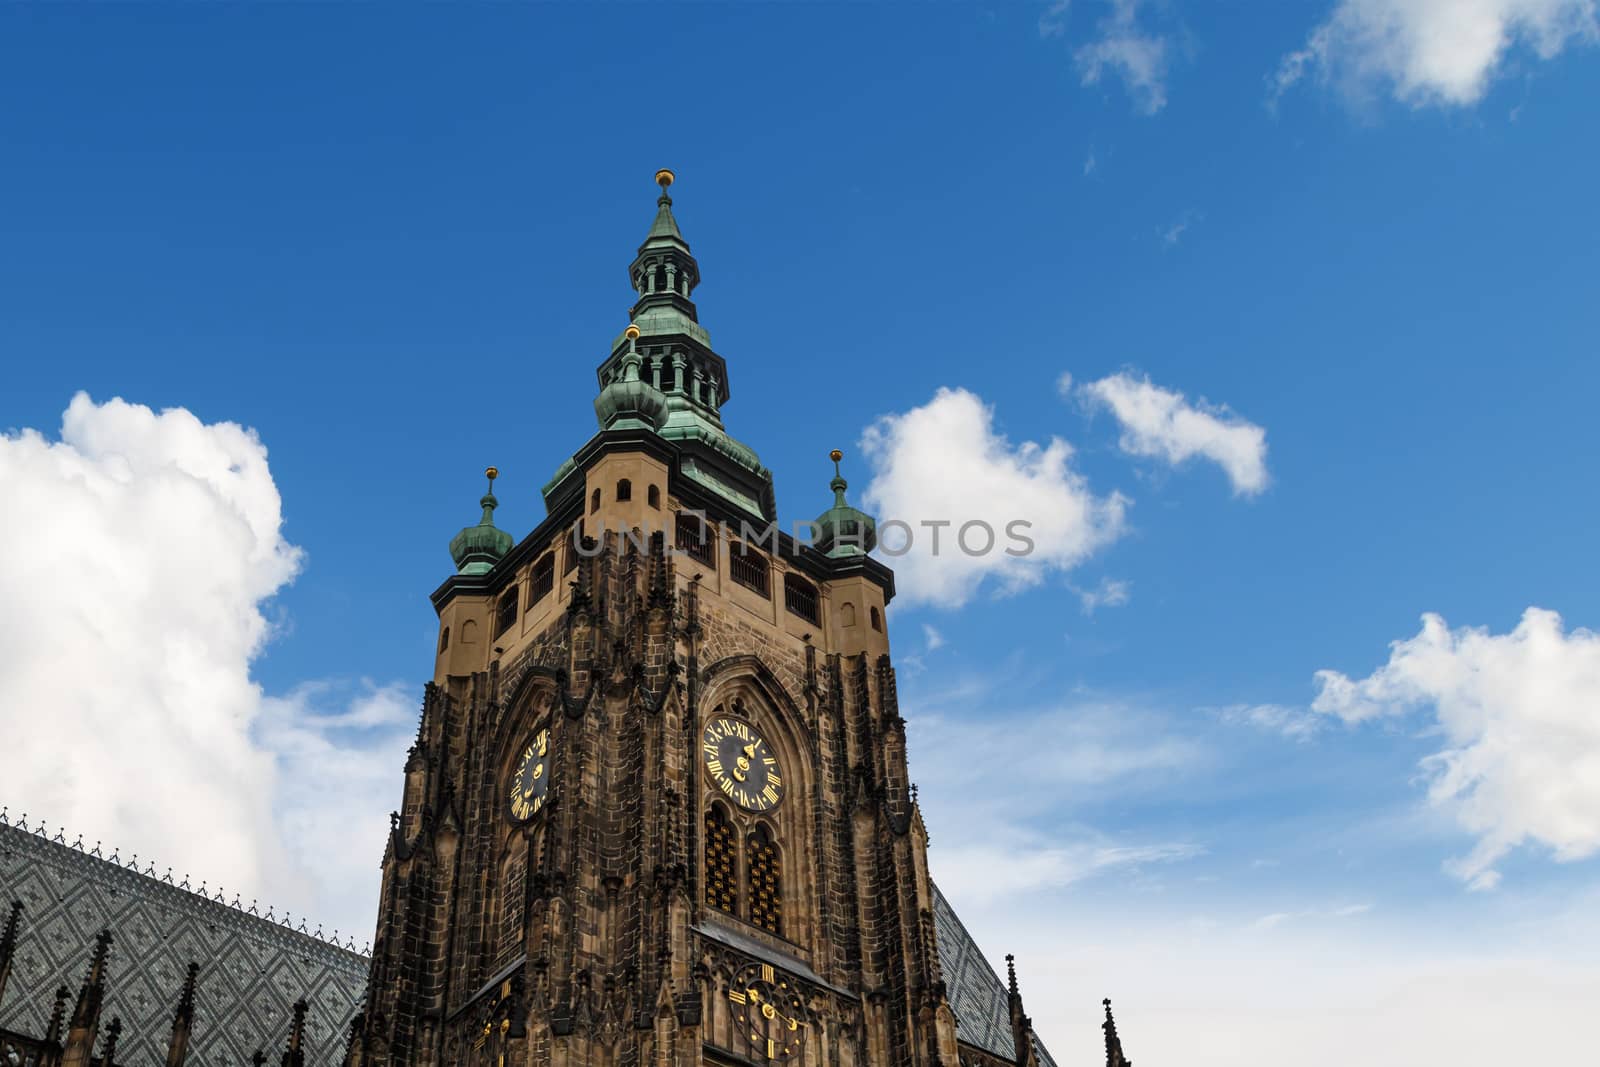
(530, 782)
(741, 763)
(769, 1011)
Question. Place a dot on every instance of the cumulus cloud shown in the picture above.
(1162, 424)
(1432, 52)
(1126, 49)
(136, 554)
(945, 463)
(1520, 718)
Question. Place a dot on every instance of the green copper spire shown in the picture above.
(476, 549)
(665, 225)
(843, 530)
(664, 272)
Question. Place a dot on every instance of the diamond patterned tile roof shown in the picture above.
(977, 995)
(252, 970)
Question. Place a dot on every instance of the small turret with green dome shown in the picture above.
(843, 530)
(476, 549)
(629, 400)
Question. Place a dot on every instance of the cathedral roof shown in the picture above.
(976, 993)
(252, 969)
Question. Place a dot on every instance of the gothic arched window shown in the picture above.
(722, 862)
(624, 490)
(766, 880)
(594, 501)
(653, 497)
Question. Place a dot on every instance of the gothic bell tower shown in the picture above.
(658, 811)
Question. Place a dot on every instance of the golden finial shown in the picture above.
(836, 455)
(664, 178)
(493, 473)
(631, 333)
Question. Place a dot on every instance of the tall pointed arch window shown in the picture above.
(766, 880)
(722, 861)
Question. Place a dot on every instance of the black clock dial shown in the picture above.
(769, 1010)
(530, 781)
(741, 764)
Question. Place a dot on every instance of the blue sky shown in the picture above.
(393, 242)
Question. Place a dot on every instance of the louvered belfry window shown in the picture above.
(722, 862)
(766, 880)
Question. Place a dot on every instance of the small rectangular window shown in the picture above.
(573, 539)
(800, 597)
(696, 540)
(506, 615)
(750, 569)
(544, 578)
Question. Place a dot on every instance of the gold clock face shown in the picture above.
(530, 782)
(741, 764)
(769, 1011)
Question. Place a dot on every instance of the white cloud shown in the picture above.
(1433, 52)
(1205, 991)
(934, 638)
(1053, 20)
(945, 462)
(136, 554)
(1174, 233)
(1276, 919)
(1110, 593)
(1297, 724)
(1161, 423)
(1000, 800)
(1520, 717)
(1126, 49)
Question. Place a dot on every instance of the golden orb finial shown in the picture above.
(664, 178)
(836, 455)
(631, 333)
(493, 473)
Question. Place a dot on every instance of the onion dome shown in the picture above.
(476, 549)
(628, 400)
(843, 530)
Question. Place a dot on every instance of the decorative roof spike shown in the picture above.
(8, 944)
(1011, 974)
(182, 1021)
(1114, 1053)
(476, 549)
(58, 1015)
(294, 1055)
(8, 940)
(97, 962)
(108, 1051)
(86, 1014)
(843, 530)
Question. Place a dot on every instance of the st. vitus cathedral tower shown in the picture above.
(658, 810)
